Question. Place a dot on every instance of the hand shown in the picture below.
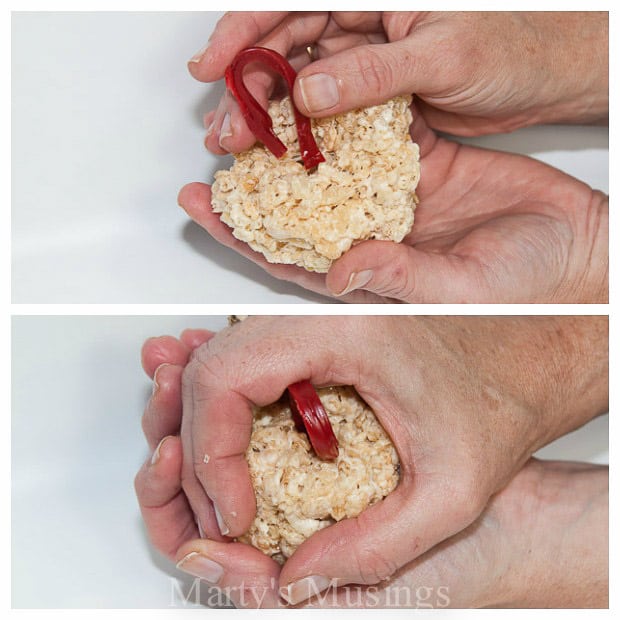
(473, 72)
(508, 386)
(508, 556)
(490, 228)
(164, 359)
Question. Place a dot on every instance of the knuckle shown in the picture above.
(204, 370)
(145, 424)
(138, 482)
(467, 502)
(376, 74)
(371, 563)
(398, 282)
(148, 421)
(147, 489)
(373, 566)
(170, 548)
(211, 368)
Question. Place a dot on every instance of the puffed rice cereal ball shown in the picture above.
(298, 494)
(364, 190)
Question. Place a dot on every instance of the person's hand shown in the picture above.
(163, 360)
(466, 401)
(473, 72)
(490, 228)
(508, 556)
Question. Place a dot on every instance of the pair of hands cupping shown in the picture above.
(491, 226)
(472, 512)
(464, 415)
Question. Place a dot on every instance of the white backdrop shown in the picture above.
(107, 126)
(78, 395)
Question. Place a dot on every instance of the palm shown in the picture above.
(498, 224)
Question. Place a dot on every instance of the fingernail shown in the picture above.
(200, 566)
(220, 111)
(224, 529)
(155, 381)
(305, 588)
(319, 92)
(210, 129)
(356, 280)
(225, 130)
(155, 456)
(197, 57)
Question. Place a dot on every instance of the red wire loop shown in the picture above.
(307, 407)
(258, 120)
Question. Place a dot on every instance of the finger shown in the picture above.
(246, 575)
(279, 31)
(400, 271)
(195, 199)
(162, 415)
(163, 412)
(374, 546)
(230, 132)
(206, 515)
(168, 518)
(207, 121)
(163, 350)
(215, 472)
(193, 338)
(212, 135)
(298, 29)
(234, 32)
(358, 21)
(362, 76)
(251, 365)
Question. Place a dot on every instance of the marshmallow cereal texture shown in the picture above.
(364, 190)
(297, 494)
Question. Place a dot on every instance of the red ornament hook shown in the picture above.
(258, 120)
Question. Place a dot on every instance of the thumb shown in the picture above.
(371, 547)
(245, 575)
(361, 76)
(402, 272)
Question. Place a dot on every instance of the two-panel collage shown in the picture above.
(309, 310)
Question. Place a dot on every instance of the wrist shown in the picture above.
(551, 372)
(587, 281)
(555, 519)
(567, 370)
(579, 60)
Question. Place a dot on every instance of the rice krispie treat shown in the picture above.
(365, 189)
(298, 494)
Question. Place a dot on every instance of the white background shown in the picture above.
(78, 395)
(107, 126)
